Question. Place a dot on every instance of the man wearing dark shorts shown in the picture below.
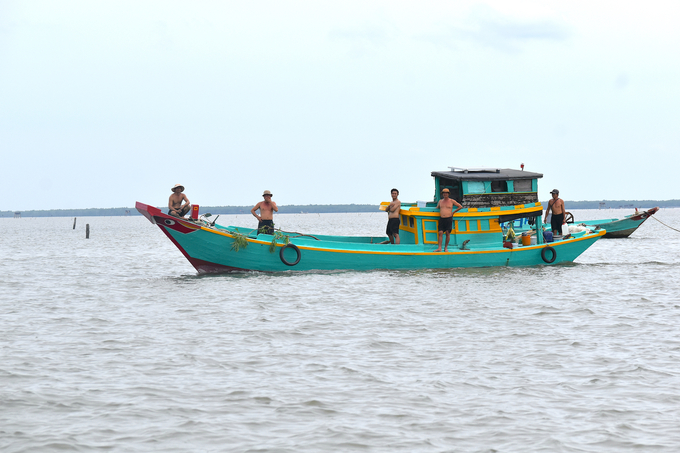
(393, 218)
(265, 226)
(445, 224)
(446, 213)
(556, 205)
(393, 227)
(556, 222)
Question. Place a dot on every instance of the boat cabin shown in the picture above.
(477, 187)
(490, 197)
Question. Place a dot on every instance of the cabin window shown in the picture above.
(452, 185)
(499, 186)
(474, 226)
(484, 224)
(523, 185)
(460, 225)
(476, 187)
(411, 222)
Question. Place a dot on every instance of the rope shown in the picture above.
(664, 224)
(299, 234)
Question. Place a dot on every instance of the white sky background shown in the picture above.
(104, 103)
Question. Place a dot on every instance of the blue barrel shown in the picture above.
(547, 235)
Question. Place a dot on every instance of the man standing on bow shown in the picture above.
(446, 213)
(266, 218)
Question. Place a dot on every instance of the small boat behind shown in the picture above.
(616, 228)
(619, 228)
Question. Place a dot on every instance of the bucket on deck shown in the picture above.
(548, 235)
(526, 239)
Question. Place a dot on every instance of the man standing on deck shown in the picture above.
(557, 207)
(446, 213)
(175, 206)
(266, 218)
(393, 218)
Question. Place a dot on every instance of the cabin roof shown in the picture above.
(485, 174)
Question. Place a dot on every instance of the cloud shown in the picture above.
(502, 33)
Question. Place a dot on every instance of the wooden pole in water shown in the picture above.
(74, 223)
(87, 231)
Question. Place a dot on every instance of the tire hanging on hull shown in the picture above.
(544, 253)
(283, 258)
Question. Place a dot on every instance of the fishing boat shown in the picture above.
(477, 239)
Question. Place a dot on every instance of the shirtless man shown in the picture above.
(393, 218)
(175, 206)
(557, 207)
(266, 218)
(446, 213)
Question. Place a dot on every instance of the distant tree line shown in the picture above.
(105, 212)
(321, 208)
(620, 204)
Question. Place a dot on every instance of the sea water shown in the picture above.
(114, 343)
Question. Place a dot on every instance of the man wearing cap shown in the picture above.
(175, 206)
(557, 207)
(266, 218)
(446, 212)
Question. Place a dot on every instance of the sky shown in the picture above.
(105, 103)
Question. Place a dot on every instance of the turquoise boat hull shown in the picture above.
(212, 249)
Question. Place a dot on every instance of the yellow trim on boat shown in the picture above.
(458, 252)
(473, 212)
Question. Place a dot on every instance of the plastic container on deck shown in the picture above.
(526, 239)
(565, 229)
(548, 236)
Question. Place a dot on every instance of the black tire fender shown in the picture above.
(544, 252)
(297, 250)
